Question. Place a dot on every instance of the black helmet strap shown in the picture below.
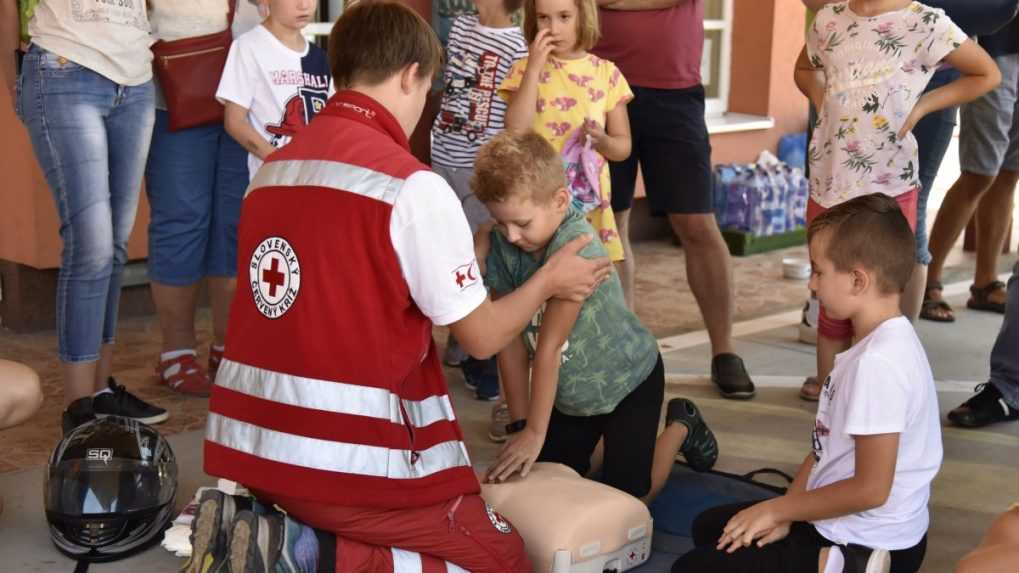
(82, 567)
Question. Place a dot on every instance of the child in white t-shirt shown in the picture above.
(274, 81)
(864, 67)
(859, 500)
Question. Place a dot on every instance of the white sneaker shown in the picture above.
(857, 559)
(808, 321)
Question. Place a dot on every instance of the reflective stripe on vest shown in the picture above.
(336, 397)
(332, 456)
(330, 174)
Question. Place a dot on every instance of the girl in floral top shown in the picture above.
(560, 88)
(865, 65)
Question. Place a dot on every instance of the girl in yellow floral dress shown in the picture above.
(560, 88)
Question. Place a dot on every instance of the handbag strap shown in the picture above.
(230, 14)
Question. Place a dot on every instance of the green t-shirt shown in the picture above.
(608, 353)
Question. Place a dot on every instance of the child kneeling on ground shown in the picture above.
(592, 369)
(859, 500)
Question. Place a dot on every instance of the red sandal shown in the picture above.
(215, 357)
(183, 374)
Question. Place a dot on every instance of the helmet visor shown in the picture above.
(88, 487)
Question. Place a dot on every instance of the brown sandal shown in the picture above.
(935, 310)
(811, 390)
(981, 297)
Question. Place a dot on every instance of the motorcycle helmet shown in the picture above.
(110, 489)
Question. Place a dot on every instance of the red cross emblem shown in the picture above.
(273, 277)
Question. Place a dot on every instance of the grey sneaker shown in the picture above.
(210, 531)
(497, 428)
(272, 543)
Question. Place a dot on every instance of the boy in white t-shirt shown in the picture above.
(859, 500)
(274, 81)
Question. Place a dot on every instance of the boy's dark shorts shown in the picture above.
(670, 141)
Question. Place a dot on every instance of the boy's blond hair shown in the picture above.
(869, 231)
(587, 23)
(375, 39)
(521, 165)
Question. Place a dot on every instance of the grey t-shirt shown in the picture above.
(608, 353)
(109, 38)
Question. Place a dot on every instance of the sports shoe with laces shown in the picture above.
(272, 542)
(120, 402)
(700, 448)
(987, 407)
(210, 531)
(500, 417)
(482, 376)
(77, 413)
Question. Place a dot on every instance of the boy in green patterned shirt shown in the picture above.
(594, 372)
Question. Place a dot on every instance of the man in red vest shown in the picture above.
(331, 401)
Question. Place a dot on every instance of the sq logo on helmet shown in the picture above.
(275, 277)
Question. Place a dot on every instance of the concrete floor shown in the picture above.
(977, 480)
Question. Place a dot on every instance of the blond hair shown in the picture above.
(588, 31)
(517, 164)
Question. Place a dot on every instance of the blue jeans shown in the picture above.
(933, 135)
(195, 182)
(90, 137)
(1005, 354)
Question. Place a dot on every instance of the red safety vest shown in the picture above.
(331, 389)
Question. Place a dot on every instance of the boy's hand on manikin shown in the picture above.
(518, 455)
(540, 49)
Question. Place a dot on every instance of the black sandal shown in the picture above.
(981, 297)
(930, 308)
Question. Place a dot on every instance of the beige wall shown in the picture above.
(767, 36)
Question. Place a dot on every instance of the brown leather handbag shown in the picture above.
(189, 70)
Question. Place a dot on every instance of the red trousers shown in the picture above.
(463, 532)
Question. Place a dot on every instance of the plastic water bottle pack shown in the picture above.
(764, 198)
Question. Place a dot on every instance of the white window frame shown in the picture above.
(715, 107)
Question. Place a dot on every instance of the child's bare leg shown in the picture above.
(627, 268)
(998, 552)
(666, 448)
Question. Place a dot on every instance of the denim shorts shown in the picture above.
(90, 136)
(988, 130)
(933, 135)
(195, 180)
